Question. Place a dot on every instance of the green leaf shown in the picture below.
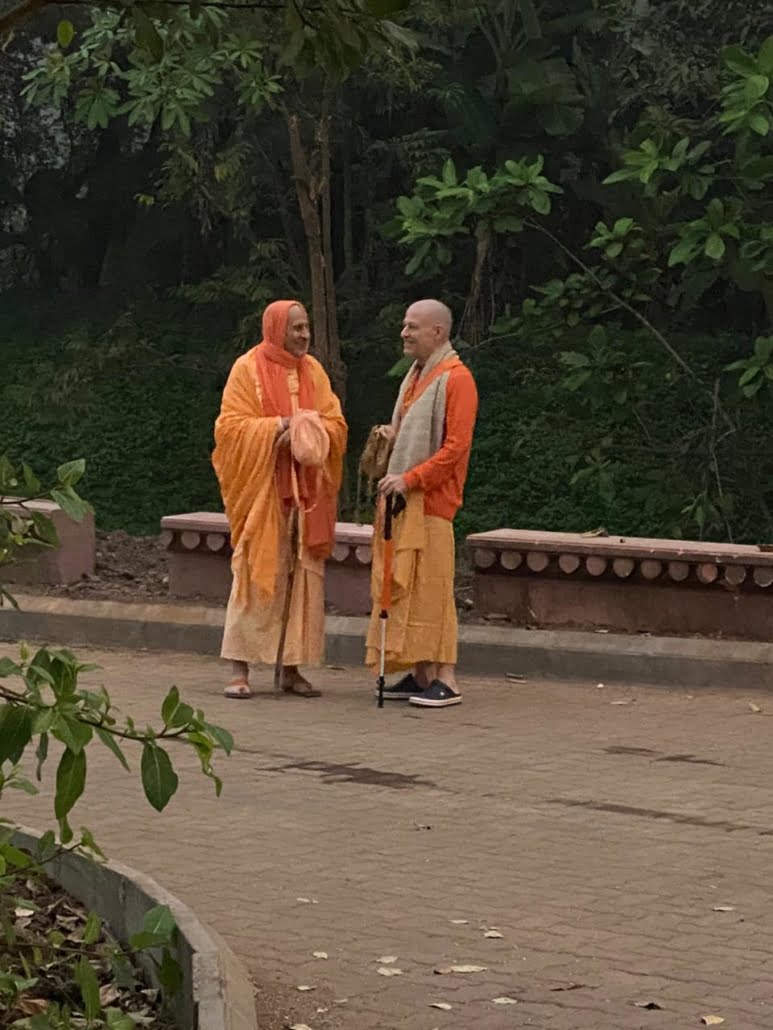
(146, 33)
(170, 974)
(88, 842)
(73, 733)
(64, 34)
(93, 929)
(222, 737)
(763, 349)
(45, 530)
(756, 88)
(15, 732)
(715, 247)
(41, 754)
(749, 375)
(765, 56)
(759, 123)
(86, 978)
(70, 503)
(449, 173)
(159, 780)
(736, 59)
(71, 472)
(158, 929)
(111, 744)
(9, 668)
(70, 781)
(174, 712)
(574, 359)
(400, 368)
(43, 720)
(118, 1020)
(682, 253)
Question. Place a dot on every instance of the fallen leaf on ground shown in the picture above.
(320, 954)
(443, 1005)
(389, 971)
(340, 1001)
(108, 993)
(445, 970)
(504, 1000)
(460, 922)
(754, 708)
(515, 677)
(572, 986)
(387, 960)
(306, 987)
(23, 913)
(652, 1005)
(307, 901)
(321, 1012)
(32, 1006)
(724, 908)
(493, 935)
(712, 1020)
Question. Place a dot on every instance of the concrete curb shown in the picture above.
(483, 650)
(217, 993)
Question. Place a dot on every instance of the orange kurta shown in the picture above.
(248, 465)
(422, 625)
(442, 477)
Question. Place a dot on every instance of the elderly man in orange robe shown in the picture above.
(432, 428)
(280, 440)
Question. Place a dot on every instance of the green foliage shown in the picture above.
(20, 524)
(41, 700)
(479, 204)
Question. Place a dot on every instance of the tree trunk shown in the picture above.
(472, 321)
(348, 227)
(336, 366)
(315, 207)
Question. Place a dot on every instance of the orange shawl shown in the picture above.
(255, 477)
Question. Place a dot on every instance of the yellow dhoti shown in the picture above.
(252, 629)
(422, 623)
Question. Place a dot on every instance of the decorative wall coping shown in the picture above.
(689, 562)
(210, 531)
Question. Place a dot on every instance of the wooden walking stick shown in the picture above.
(293, 528)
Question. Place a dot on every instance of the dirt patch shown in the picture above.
(128, 568)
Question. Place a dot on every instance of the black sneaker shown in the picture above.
(403, 690)
(437, 695)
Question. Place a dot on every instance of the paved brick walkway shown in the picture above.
(596, 829)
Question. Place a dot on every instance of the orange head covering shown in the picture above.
(273, 364)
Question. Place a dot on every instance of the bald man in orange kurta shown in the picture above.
(275, 391)
(432, 428)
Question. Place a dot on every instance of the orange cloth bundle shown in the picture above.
(309, 440)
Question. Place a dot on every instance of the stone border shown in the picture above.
(688, 562)
(198, 551)
(484, 650)
(217, 993)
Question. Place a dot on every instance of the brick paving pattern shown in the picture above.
(596, 830)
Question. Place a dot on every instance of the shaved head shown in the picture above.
(426, 328)
(433, 311)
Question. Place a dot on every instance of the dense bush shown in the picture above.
(142, 402)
